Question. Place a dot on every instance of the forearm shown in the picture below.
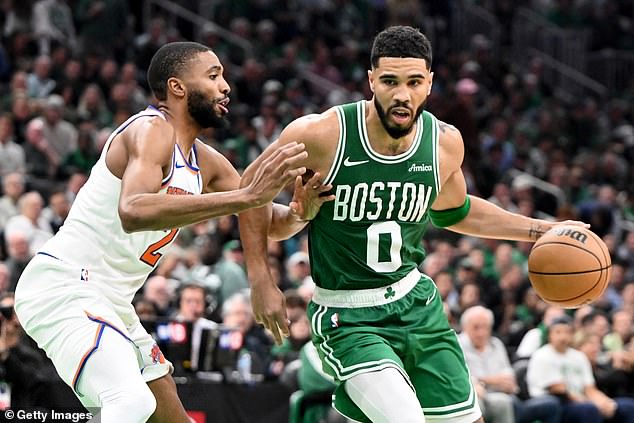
(284, 224)
(143, 212)
(254, 228)
(486, 220)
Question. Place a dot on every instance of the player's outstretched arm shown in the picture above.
(471, 215)
(267, 300)
(149, 150)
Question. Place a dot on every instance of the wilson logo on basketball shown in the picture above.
(576, 235)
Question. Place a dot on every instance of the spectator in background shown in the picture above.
(42, 161)
(85, 156)
(536, 337)
(558, 369)
(30, 221)
(39, 83)
(18, 256)
(493, 376)
(298, 268)
(158, 291)
(237, 313)
(103, 25)
(610, 379)
(190, 302)
(5, 278)
(11, 154)
(61, 134)
(52, 20)
(21, 368)
(230, 270)
(92, 107)
(57, 210)
(12, 188)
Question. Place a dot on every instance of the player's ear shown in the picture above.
(431, 82)
(176, 87)
(371, 80)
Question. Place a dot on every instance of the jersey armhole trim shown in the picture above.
(341, 143)
(435, 152)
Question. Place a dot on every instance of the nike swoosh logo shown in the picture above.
(349, 162)
(179, 166)
(429, 300)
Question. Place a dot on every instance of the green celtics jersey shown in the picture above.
(370, 235)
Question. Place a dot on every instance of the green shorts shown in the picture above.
(410, 334)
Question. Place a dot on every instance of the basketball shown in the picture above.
(569, 266)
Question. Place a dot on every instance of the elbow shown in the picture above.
(130, 220)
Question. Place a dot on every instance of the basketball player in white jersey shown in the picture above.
(74, 298)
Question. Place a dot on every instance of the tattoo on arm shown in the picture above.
(446, 127)
(536, 231)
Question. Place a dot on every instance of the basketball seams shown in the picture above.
(580, 272)
(570, 245)
(574, 298)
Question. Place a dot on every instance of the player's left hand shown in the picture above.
(307, 198)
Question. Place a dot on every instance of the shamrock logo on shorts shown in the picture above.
(389, 292)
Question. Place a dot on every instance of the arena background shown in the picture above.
(542, 92)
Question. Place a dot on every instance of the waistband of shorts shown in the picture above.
(357, 298)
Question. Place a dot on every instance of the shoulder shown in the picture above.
(152, 130)
(449, 138)
(313, 127)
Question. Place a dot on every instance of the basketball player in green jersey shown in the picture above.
(377, 322)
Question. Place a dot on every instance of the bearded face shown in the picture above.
(207, 113)
(398, 120)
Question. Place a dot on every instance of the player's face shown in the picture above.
(400, 87)
(208, 92)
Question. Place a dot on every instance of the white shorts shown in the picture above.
(66, 316)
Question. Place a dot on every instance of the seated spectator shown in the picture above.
(57, 210)
(18, 257)
(191, 302)
(237, 313)
(230, 270)
(11, 154)
(558, 369)
(610, 379)
(39, 82)
(493, 376)
(158, 291)
(21, 367)
(30, 221)
(12, 188)
(536, 337)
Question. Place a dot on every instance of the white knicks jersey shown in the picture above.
(92, 237)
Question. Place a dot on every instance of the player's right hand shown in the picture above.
(269, 309)
(276, 171)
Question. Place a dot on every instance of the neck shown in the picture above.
(379, 139)
(185, 127)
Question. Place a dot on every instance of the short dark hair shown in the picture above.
(170, 61)
(400, 41)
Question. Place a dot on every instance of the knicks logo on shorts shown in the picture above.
(157, 355)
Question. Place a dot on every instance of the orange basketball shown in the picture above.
(569, 266)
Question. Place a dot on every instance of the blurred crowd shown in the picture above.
(73, 70)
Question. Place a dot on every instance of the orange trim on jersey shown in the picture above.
(103, 321)
(82, 362)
